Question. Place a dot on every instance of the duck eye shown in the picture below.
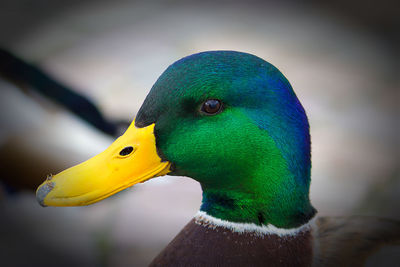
(211, 106)
(126, 151)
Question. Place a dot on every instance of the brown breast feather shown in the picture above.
(206, 245)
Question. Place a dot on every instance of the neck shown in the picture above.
(202, 218)
(268, 207)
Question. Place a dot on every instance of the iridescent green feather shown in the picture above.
(252, 159)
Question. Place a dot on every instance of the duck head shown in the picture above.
(227, 119)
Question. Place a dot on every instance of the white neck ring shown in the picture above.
(202, 218)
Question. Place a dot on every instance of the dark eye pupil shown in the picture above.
(211, 106)
(126, 151)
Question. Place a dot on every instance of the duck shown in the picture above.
(231, 121)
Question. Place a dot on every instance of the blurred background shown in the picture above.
(341, 58)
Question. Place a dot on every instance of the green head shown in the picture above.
(232, 122)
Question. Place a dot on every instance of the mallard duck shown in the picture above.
(232, 122)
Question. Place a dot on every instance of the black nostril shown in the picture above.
(126, 151)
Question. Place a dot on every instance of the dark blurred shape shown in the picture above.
(382, 19)
(22, 73)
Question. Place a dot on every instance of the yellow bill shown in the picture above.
(131, 159)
